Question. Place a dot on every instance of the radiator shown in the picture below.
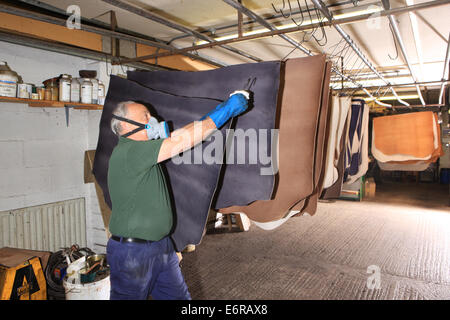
(48, 227)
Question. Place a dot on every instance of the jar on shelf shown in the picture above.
(48, 94)
(75, 90)
(41, 93)
(34, 93)
(94, 90)
(55, 92)
(64, 88)
(101, 93)
(24, 90)
(86, 91)
(52, 86)
(8, 81)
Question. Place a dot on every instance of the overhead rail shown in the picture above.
(149, 15)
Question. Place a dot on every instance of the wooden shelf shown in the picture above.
(52, 104)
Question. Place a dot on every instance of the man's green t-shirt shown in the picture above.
(139, 195)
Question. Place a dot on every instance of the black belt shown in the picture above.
(136, 240)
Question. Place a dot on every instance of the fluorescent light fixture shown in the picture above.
(353, 13)
(405, 97)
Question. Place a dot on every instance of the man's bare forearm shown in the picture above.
(181, 130)
(185, 138)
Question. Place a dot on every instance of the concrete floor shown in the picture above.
(404, 233)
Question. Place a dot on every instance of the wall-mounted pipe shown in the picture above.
(319, 5)
(446, 62)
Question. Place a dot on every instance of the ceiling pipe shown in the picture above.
(148, 15)
(399, 39)
(446, 62)
(319, 5)
(101, 31)
(269, 26)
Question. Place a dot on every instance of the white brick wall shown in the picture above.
(41, 159)
(96, 229)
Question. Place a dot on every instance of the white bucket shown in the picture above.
(75, 290)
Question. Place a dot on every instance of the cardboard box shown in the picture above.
(370, 188)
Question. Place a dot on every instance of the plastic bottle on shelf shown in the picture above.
(75, 90)
(86, 91)
(64, 88)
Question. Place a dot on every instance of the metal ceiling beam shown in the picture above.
(322, 8)
(148, 15)
(101, 31)
(240, 20)
(446, 62)
(358, 18)
(399, 40)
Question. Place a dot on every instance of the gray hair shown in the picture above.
(121, 110)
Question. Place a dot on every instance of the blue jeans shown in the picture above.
(142, 269)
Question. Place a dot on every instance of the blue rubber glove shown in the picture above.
(236, 104)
